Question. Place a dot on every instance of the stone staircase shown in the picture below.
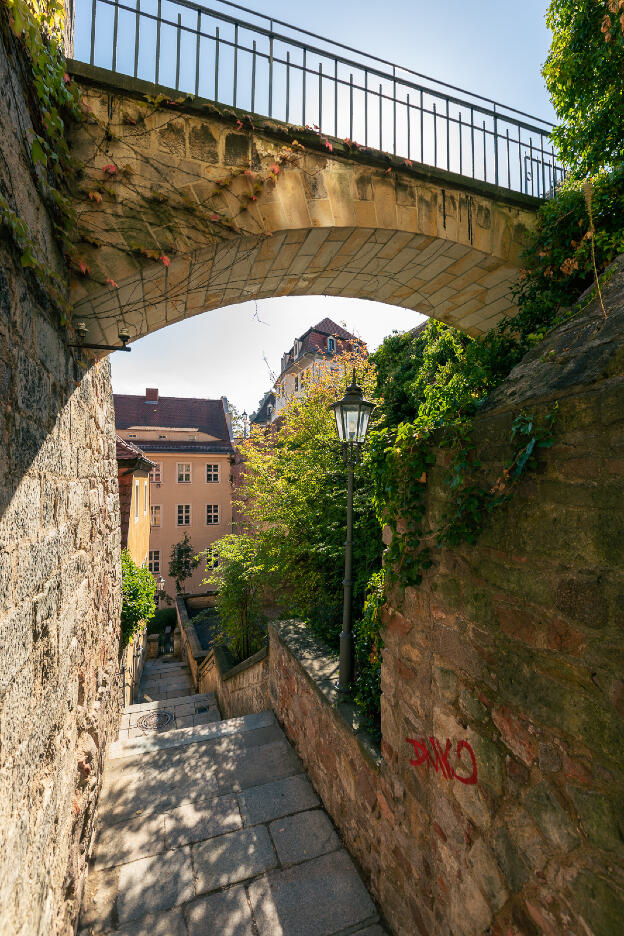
(211, 828)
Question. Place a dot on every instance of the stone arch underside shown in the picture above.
(200, 213)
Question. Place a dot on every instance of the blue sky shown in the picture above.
(485, 46)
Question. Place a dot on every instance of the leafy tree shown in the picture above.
(182, 562)
(236, 567)
(584, 73)
(293, 499)
(138, 591)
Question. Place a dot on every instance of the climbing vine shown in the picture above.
(403, 454)
(39, 25)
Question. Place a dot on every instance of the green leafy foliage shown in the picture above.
(182, 562)
(293, 499)
(584, 73)
(558, 263)
(368, 647)
(138, 591)
(236, 567)
(431, 383)
(39, 24)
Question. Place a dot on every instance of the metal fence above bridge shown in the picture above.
(268, 67)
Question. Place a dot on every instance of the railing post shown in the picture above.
(115, 33)
(394, 113)
(253, 78)
(137, 30)
(287, 87)
(178, 41)
(495, 146)
(158, 24)
(197, 53)
(335, 97)
(216, 88)
(93, 15)
(351, 106)
(271, 72)
(305, 77)
(235, 88)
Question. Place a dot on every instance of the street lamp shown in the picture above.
(352, 416)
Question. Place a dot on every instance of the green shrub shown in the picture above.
(163, 618)
(237, 569)
(138, 591)
(368, 647)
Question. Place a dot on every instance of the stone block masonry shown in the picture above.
(59, 567)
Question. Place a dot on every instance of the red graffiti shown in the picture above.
(439, 760)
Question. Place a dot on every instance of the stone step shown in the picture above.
(218, 830)
(192, 735)
(205, 698)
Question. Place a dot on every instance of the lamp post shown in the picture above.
(352, 415)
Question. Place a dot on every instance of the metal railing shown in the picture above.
(266, 66)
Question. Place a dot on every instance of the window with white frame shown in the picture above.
(296, 384)
(184, 514)
(156, 473)
(212, 514)
(184, 472)
(155, 512)
(154, 560)
(137, 496)
(212, 473)
(145, 498)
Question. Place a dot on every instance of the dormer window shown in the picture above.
(331, 344)
(297, 348)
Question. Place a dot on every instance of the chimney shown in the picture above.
(151, 395)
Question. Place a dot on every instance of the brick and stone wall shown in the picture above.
(59, 567)
(502, 813)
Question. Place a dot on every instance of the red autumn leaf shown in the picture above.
(165, 260)
(239, 124)
(111, 282)
(214, 217)
(111, 169)
(408, 162)
(66, 78)
(248, 172)
(388, 170)
(328, 145)
(275, 169)
(95, 196)
(82, 266)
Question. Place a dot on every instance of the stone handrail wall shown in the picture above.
(132, 663)
(190, 645)
(242, 688)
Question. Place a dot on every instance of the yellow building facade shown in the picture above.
(189, 442)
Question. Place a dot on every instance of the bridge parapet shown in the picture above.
(240, 58)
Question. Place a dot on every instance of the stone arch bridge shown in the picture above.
(184, 206)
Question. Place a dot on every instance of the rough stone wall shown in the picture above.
(514, 647)
(59, 568)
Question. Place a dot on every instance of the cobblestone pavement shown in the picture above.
(215, 830)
